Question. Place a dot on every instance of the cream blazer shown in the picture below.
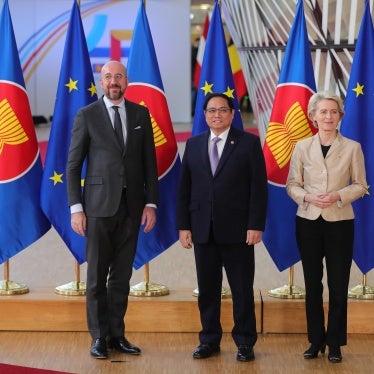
(343, 170)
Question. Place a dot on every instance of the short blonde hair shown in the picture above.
(324, 95)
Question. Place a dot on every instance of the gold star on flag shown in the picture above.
(207, 88)
(92, 89)
(359, 89)
(57, 178)
(72, 85)
(229, 92)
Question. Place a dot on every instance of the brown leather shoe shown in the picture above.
(245, 353)
(99, 348)
(121, 344)
(205, 350)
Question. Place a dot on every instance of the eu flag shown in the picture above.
(216, 74)
(146, 88)
(358, 124)
(22, 222)
(288, 124)
(76, 88)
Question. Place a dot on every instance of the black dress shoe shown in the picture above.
(335, 355)
(313, 350)
(121, 344)
(245, 353)
(205, 350)
(99, 348)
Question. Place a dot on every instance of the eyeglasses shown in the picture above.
(117, 77)
(222, 110)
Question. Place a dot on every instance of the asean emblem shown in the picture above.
(288, 124)
(18, 143)
(163, 134)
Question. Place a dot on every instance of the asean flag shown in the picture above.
(288, 124)
(146, 88)
(21, 220)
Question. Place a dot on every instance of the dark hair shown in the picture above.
(230, 103)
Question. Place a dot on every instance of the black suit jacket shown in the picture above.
(109, 168)
(234, 200)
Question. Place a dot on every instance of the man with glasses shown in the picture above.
(221, 209)
(120, 194)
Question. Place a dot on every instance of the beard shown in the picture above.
(114, 95)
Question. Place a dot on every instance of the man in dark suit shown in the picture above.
(120, 194)
(222, 213)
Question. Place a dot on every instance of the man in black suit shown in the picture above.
(222, 213)
(120, 194)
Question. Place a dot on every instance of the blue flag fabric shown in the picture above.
(146, 88)
(216, 74)
(76, 88)
(288, 124)
(357, 124)
(22, 222)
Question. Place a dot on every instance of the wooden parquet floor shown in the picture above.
(164, 353)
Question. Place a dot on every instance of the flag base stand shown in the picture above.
(362, 291)
(73, 288)
(148, 289)
(12, 288)
(287, 292)
(225, 293)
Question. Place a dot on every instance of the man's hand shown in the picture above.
(148, 218)
(253, 237)
(78, 223)
(185, 237)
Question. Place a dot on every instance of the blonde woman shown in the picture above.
(327, 173)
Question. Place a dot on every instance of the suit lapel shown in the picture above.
(204, 149)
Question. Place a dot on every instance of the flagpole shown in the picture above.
(8, 287)
(74, 288)
(362, 291)
(146, 288)
(288, 291)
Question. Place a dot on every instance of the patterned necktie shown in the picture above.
(213, 155)
(118, 126)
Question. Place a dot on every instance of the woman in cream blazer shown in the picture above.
(327, 173)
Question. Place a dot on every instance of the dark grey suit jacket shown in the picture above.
(108, 168)
(234, 200)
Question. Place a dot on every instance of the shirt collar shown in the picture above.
(109, 104)
(223, 135)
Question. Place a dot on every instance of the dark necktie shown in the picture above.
(118, 127)
(213, 155)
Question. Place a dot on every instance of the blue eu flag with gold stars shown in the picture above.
(357, 124)
(216, 73)
(76, 88)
